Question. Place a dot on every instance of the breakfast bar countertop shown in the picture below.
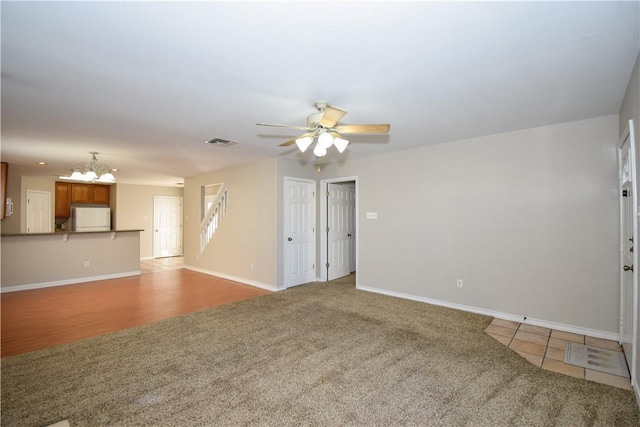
(68, 232)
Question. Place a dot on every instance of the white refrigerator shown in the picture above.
(91, 219)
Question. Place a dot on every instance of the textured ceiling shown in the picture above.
(145, 83)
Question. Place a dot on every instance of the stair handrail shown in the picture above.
(214, 214)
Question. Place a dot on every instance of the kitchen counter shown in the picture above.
(68, 232)
(39, 260)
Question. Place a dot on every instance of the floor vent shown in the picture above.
(596, 358)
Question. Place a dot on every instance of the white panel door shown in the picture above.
(338, 227)
(38, 215)
(299, 232)
(167, 226)
(628, 248)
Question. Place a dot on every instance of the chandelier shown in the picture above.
(92, 171)
(324, 140)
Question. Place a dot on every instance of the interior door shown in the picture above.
(351, 226)
(299, 232)
(38, 215)
(338, 236)
(628, 249)
(167, 226)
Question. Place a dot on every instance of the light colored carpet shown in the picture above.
(319, 354)
(596, 358)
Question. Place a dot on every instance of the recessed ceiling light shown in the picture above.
(43, 163)
(115, 170)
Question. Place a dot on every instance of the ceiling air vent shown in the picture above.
(221, 142)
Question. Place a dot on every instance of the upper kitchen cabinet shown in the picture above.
(100, 194)
(63, 200)
(90, 193)
(79, 193)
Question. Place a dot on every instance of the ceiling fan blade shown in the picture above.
(331, 116)
(293, 140)
(284, 126)
(363, 128)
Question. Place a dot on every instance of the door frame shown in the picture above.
(628, 134)
(322, 272)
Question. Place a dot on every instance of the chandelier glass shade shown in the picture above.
(92, 171)
(324, 140)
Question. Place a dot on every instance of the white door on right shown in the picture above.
(628, 248)
(339, 218)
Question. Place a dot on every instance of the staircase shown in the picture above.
(213, 216)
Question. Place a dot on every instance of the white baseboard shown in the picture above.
(499, 315)
(67, 282)
(233, 278)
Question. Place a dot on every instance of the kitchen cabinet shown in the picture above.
(100, 194)
(63, 200)
(90, 193)
(79, 193)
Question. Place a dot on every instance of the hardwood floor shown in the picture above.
(41, 318)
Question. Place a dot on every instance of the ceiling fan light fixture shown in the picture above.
(324, 129)
(325, 140)
(319, 151)
(304, 143)
(341, 144)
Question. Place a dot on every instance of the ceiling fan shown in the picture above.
(323, 127)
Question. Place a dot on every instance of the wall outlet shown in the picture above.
(251, 266)
(459, 283)
(86, 264)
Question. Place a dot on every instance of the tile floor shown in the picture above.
(161, 264)
(545, 348)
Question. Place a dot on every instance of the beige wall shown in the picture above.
(133, 209)
(42, 260)
(247, 233)
(528, 220)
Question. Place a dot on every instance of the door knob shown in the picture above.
(289, 239)
(628, 267)
(349, 235)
